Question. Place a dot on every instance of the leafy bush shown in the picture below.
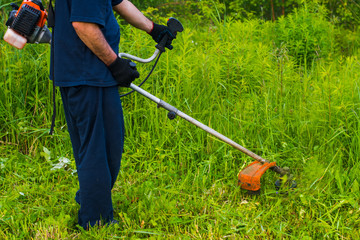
(306, 34)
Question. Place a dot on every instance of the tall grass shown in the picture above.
(244, 79)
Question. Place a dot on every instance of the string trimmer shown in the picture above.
(249, 177)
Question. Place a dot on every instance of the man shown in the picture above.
(86, 67)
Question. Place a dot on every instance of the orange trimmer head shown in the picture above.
(249, 177)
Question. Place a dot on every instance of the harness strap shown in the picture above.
(51, 24)
(51, 15)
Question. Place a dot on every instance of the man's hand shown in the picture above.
(132, 15)
(158, 32)
(124, 71)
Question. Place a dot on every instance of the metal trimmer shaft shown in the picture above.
(170, 108)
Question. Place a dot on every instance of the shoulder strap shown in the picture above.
(51, 15)
(51, 24)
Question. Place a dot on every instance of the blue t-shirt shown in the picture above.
(74, 63)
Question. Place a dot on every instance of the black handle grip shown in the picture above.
(175, 26)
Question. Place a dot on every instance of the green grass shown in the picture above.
(176, 181)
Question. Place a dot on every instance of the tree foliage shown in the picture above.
(344, 12)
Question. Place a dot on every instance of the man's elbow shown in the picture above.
(85, 26)
(78, 25)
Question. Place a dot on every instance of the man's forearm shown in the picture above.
(132, 15)
(94, 39)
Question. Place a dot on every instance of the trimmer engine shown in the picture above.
(27, 24)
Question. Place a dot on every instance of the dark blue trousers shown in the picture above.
(95, 122)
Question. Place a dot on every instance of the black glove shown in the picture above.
(124, 71)
(159, 31)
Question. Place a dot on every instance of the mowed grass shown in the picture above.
(176, 181)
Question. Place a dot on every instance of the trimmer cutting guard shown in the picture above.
(249, 178)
